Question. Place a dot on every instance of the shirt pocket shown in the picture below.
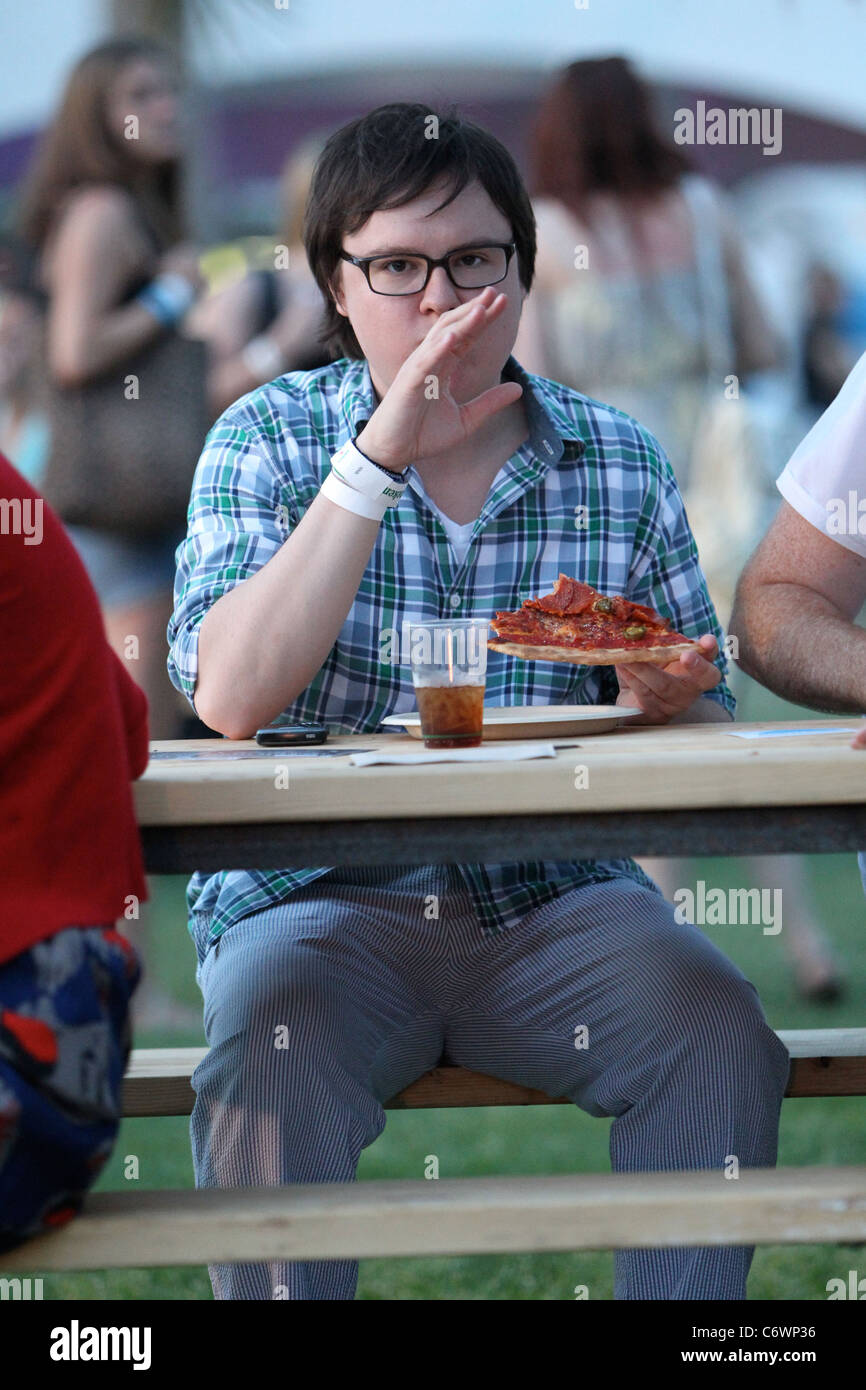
(564, 545)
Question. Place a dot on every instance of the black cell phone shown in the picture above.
(282, 735)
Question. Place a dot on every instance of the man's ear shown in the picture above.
(337, 293)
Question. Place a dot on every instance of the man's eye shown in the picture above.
(401, 265)
(478, 256)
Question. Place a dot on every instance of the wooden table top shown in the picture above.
(670, 767)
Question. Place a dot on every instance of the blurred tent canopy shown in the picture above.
(266, 74)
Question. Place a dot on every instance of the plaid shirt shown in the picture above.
(589, 493)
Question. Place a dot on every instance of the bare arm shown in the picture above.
(291, 333)
(262, 643)
(91, 263)
(794, 614)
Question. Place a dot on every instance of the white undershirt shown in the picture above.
(457, 535)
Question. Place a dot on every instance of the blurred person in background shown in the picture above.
(642, 300)
(827, 356)
(270, 321)
(72, 866)
(624, 307)
(24, 431)
(100, 209)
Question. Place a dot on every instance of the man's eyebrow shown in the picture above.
(413, 251)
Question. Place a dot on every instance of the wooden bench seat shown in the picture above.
(826, 1062)
(461, 1216)
(456, 1216)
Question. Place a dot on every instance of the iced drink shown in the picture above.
(452, 716)
(449, 666)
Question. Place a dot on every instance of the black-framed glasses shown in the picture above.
(467, 267)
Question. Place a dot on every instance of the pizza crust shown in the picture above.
(607, 656)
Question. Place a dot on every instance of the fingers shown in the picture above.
(474, 413)
(458, 328)
(859, 739)
(709, 644)
(690, 674)
(665, 691)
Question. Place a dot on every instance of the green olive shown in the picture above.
(603, 605)
(636, 630)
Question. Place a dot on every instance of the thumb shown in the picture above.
(474, 413)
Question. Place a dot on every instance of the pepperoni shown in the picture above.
(569, 596)
(569, 617)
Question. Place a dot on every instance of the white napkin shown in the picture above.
(785, 733)
(495, 753)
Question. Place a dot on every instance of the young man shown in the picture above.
(800, 593)
(475, 486)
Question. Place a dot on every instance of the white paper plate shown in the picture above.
(533, 721)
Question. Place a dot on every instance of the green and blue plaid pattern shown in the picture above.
(589, 493)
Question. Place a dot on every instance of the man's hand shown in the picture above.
(859, 740)
(408, 424)
(663, 692)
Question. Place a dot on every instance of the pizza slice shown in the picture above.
(578, 624)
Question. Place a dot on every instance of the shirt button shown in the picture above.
(454, 600)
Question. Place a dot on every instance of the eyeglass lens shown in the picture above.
(471, 270)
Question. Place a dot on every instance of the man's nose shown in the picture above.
(440, 294)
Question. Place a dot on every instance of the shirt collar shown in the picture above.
(552, 435)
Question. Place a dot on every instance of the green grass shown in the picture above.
(539, 1140)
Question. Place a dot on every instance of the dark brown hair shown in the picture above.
(384, 160)
(594, 132)
(78, 148)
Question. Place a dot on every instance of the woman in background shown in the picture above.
(101, 213)
(642, 300)
(622, 308)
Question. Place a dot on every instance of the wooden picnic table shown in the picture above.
(684, 789)
(668, 790)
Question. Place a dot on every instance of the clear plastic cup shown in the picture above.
(448, 658)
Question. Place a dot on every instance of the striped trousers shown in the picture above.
(320, 1009)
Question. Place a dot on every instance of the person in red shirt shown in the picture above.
(73, 735)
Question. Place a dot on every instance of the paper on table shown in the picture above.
(783, 733)
(496, 753)
(222, 755)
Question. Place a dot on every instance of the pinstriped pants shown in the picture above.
(369, 991)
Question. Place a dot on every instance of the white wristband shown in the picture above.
(354, 468)
(373, 508)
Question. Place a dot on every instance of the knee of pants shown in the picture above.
(283, 999)
(708, 1007)
(679, 989)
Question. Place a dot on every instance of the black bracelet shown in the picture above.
(389, 471)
